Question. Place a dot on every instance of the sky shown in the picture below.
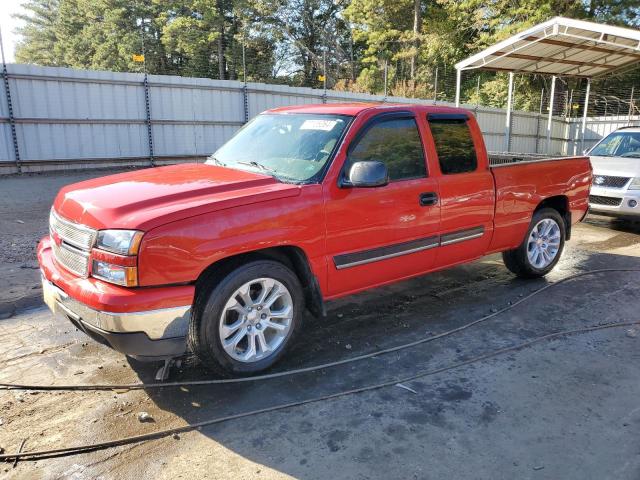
(8, 25)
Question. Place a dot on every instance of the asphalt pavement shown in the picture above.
(561, 409)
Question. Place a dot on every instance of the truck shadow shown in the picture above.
(626, 226)
(363, 435)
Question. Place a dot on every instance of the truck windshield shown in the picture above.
(619, 144)
(289, 147)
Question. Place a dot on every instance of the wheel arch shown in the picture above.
(291, 256)
(560, 203)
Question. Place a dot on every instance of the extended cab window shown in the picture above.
(397, 143)
(454, 145)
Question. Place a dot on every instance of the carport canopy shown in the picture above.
(558, 47)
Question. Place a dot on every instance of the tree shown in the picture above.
(295, 41)
(305, 31)
(38, 33)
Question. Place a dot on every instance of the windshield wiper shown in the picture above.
(253, 163)
(216, 161)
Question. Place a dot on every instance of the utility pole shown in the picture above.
(417, 28)
(324, 75)
(435, 87)
(385, 79)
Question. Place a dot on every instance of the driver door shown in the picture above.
(381, 234)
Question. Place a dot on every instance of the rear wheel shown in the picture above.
(245, 322)
(541, 249)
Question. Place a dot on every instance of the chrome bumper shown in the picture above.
(148, 334)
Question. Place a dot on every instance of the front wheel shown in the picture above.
(246, 320)
(541, 249)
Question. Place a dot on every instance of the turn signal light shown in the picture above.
(118, 274)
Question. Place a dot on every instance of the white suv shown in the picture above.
(616, 174)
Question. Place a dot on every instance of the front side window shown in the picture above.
(396, 143)
(454, 145)
(619, 144)
(290, 147)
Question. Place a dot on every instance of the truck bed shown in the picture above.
(535, 178)
(509, 158)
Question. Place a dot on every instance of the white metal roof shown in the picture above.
(562, 46)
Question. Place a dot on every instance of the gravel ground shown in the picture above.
(561, 409)
(25, 201)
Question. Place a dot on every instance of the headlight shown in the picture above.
(122, 242)
(125, 276)
(635, 184)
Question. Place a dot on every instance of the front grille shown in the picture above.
(609, 201)
(77, 235)
(75, 242)
(609, 181)
(74, 260)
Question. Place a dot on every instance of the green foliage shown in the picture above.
(39, 33)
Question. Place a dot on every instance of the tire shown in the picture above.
(522, 260)
(226, 348)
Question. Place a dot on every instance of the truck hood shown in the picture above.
(616, 166)
(148, 198)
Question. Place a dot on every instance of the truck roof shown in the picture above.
(353, 109)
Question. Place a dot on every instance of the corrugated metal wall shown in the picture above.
(67, 117)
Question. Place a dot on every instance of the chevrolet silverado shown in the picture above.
(304, 204)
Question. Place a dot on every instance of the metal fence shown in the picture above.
(67, 118)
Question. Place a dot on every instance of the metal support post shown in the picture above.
(12, 120)
(458, 80)
(147, 96)
(538, 121)
(550, 117)
(245, 93)
(147, 104)
(584, 115)
(631, 105)
(507, 127)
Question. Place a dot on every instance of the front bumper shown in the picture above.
(151, 335)
(145, 323)
(624, 209)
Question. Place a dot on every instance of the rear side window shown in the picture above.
(454, 145)
(396, 143)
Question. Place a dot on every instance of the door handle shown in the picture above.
(429, 198)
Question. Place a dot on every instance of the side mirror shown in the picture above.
(366, 174)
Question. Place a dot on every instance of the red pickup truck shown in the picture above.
(304, 204)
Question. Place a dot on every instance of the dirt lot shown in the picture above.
(565, 408)
(24, 212)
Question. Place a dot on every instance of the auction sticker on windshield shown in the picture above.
(318, 124)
